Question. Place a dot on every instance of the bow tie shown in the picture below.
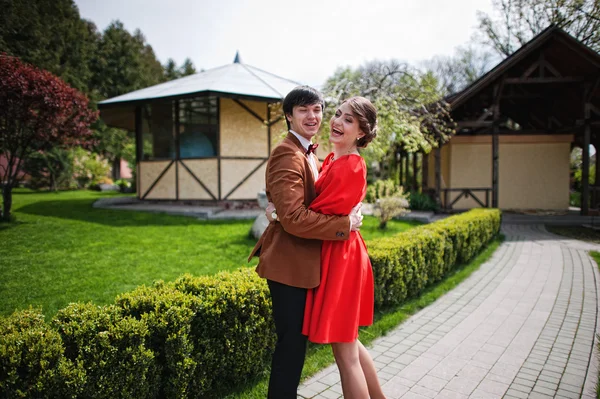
(312, 148)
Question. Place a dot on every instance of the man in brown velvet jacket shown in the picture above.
(290, 250)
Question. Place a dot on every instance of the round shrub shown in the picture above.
(111, 349)
(32, 363)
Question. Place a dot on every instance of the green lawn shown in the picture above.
(62, 250)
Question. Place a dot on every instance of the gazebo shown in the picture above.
(516, 127)
(206, 136)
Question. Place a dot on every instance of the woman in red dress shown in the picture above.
(344, 299)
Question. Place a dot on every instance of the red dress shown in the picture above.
(344, 299)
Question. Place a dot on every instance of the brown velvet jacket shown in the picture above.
(290, 250)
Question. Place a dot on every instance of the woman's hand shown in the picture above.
(271, 212)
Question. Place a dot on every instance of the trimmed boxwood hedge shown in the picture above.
(182, 339)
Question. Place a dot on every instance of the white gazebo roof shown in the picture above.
(233, 79)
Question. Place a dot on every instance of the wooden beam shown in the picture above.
(425, 170)
(585, 167)
(400, 159)
(591, 92)
(569, 79)
(198, 180)
(485, 115)
(530, 70)
(495, 156)
(407, 174)
(550, 68)
(523, 96)
(462, 124)
(594, 109)
(597, 178)
(245, 179)
(414, 183)
(139, 147)
(438, 174)
(251, 112)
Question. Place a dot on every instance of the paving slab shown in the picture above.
(524, 325)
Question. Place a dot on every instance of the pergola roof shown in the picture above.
(544, 87)
(237, 79)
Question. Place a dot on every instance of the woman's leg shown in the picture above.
(354, 384)
(368, 367)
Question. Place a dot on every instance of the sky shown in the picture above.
(302, 41)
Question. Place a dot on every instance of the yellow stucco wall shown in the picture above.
(446, 158)
(165, 187)
(206, 171)
(241, 133)
(234, 171)
(533, 170)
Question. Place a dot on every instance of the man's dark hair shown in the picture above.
(301, 96)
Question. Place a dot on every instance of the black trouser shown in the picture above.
(288, 358)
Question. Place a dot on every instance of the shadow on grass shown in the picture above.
(82, 210)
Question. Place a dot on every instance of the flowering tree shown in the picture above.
(38, 112)
(410, 111)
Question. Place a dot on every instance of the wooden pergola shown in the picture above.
(550, 86)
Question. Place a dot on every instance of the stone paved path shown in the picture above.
(522, 326)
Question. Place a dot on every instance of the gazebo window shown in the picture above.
(198, 127)
(157, 128)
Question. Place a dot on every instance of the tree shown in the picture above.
(113, 144)
(38, 111)
(123, 63)
(51, 169)
(411, 117)
(51, 35)
(187, 68)
(517, 21)
(171, 71)
(456, 72)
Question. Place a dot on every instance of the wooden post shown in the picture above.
(495, 145)
(585, 173)
(597, 178)
(400, 167)
(424, 171)
(438, 174)
(139, 147)
(414, 184)
(177, 149)
(268, 130)
(407, 174)
(495, 165)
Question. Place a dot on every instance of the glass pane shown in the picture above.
(163, 145)
(198, 127)
(157, 131)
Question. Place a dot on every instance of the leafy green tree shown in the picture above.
(124, 63)
(171, 70)
(113, 144)
(51, 35)
(515, 22)
(411, 116)
(187, 68)
(51, 169)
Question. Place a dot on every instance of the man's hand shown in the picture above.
(356, 217)
(270, 212)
